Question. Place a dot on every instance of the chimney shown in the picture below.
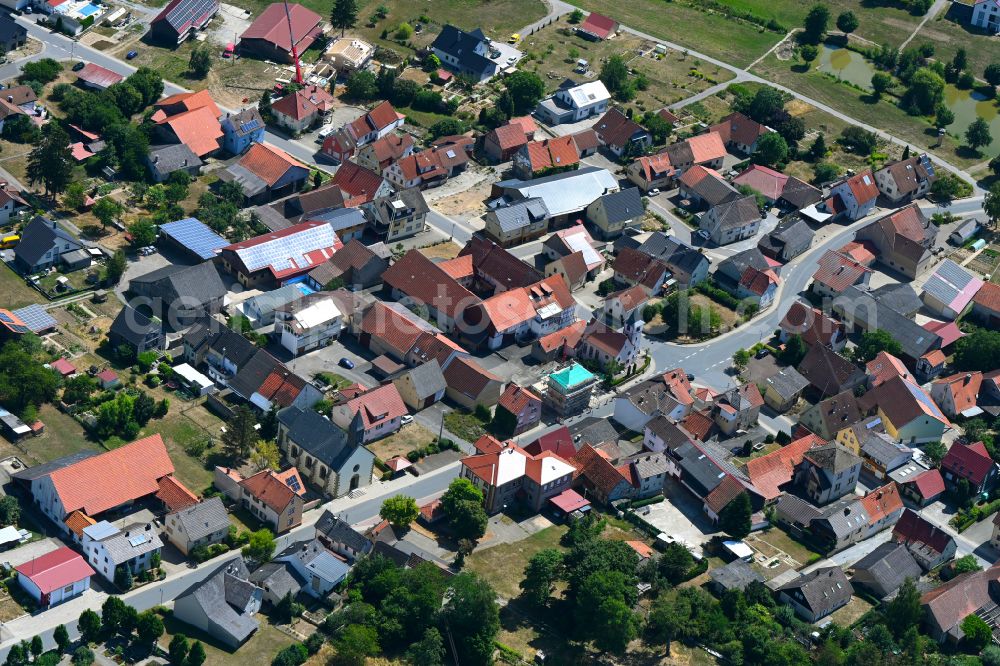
(156, 159)
(10, 98)
(968, 378)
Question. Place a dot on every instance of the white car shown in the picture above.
(406, 418)
(653, 192)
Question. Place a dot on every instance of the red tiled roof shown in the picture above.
(392, 328)
(55, 570)
(863, 187)
(357, 181)
(174, 494)
(864, 252)
(111, 479)
(509, 136)
(912, 528)
(630, 297)
(198, 129)
(468, 377)
(598, 25)
(960, 597)
(297, 105)
(756, 281)
(558, 441)
(668, 115)
(63, 367)
(268, 163)
(488, 444)
(884, 367)
(98, 76)
(963, 387)
(516, 399)
(882, 502)
(988, 297)
(707, 147)
(425, 282)
(929, 484)
(948, 331)
(272, 491)
(616, 129)
(568, 337)
(569, 501)
(737, 128)
(77, 521)
(775, 469)
(378, 405)
(810, 323)
(968, 461)
(459, 267)
(724, 493)
(699, 424)
(656, 166)
(186, 101)
(526, 123)
(598, 470)
(838, 271)
(382, 116)
(272, 26)
(768, 182)
(281, 387)
(644, 550)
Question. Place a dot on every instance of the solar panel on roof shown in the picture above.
(195, 236)
(36, 317)
(137, 540)
(293, 483)
(250, 126)
(4, 317)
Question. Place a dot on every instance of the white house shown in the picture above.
(322, 569)
(986, 15)
(308, 324)
(55, 577)
(107, 548)
(573, 104)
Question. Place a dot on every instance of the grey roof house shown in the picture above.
(136, 330)
(613, 212)
(518, 222)
(687, 265)
(732, 220)
(43, 244)
(884, 569)
(180, 294)
(817, 594)
(734, 576)
(319, 567)
(337, 535)
(223, 349)
(164, 160)
(782, 391)
(465, 53)
(223, 605)
(422, 386)
(201, 524)
(788, 240)
(325, 455)
(278, 579)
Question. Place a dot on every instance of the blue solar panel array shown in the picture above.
(195, 236)
(36, 318)
(250, 126)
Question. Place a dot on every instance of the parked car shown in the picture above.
(131, 54)
(761, 353)
(346, 363)
(406, 418)
(703, 234)
(653, 192)
(78, 65)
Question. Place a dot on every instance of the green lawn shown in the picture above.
(63, 436)
(464, 425)
(715, 35)
(16, 293)
(878, 22)
(503, 565)
(258, 651)
(859, 105)
(949, 35)
(178, 431)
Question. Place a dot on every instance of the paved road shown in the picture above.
(359, 511)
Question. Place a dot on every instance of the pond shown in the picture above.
(967, 105)
(847, 65)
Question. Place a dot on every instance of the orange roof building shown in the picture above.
(769, 472)
(191, 119)
(97, 483)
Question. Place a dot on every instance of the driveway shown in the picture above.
(30, 551)
(681, 516)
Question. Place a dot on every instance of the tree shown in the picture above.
(544, 568)
(403, 31)
(75, 196)
(659, 129)
(61, 637)
(149, 628)
(264, 106)
(196, 655)
(881, 83)
(36, 646)
(859, 140)
(991, 206)
(89, 625)
(873, 342)
(741, 359)
(772, 149)
(614, 74)
(24, 380)
(446, 127)
(148, 82)
(261, 546)
(978, 134)
(734, 519)
(287, 609)
(960, 62)
(943, 116)
(990, 656)
(792, 129)
(115, 268)
(817, 150)
(765, 104)
(847, 22)
(603, 610)
(107, 210)
(241, 436)
(265, 456)
(992, 74)
(473, 618)
(354, 645)
(399, 510)
(934, 452)
(576, 16)
(808, 52)
(981, 348)
(20, 129)
(17, 655)
(112, 614)
(795, 350)
(83, 656)
(675, 563)
(977, 634)
(965, 564)
(525, 89)
(143, 232)
(10, 510)
(815, 24)
(904, 611)
(344, 15)
(178, 649)
(925, 92)
(362, 85)
(201, 61)
(428, 651)
(44, 70)
(51, 162)
(462, 505)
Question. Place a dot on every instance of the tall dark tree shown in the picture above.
(543, 570)
(344, 15)
(978, 134)
(734, 519)
(472, 616)
(61, 637)
(51, 161)
(847, 22)
(904, 611)
(815, 24)
(89, 625)
(240, 437)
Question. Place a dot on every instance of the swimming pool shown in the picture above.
(88, 9)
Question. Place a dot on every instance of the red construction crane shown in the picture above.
(291, 40)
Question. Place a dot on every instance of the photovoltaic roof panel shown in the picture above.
(195, 236)
(36, 318)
